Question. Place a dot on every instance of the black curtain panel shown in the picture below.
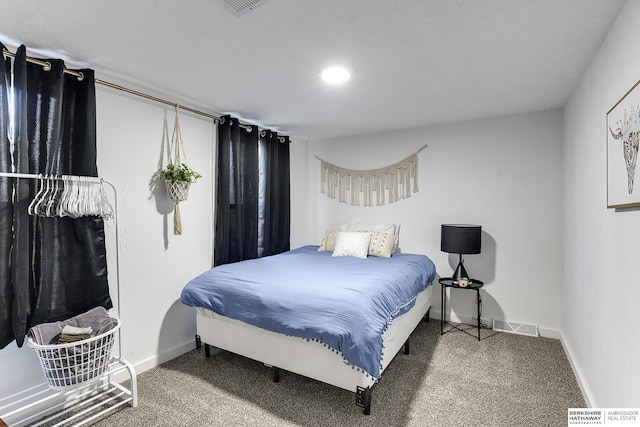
(277, 211)
(58, 265)
(21, 255)
(6, 207)
(236, 229)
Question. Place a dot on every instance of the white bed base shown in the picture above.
(308, 358)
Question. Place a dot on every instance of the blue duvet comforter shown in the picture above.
(344, 302)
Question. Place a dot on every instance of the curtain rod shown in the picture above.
(160, 100)
(79, 75)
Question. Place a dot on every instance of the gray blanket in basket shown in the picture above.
(97, 318)
(68, 365)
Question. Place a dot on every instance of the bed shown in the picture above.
(336, 319)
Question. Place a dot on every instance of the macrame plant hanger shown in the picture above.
(177, 191)
(370, 187)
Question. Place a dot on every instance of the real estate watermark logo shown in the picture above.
(603, 416)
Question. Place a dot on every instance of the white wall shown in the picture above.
(504, 174)
(601, 310)
(154, 264)
(300, 196)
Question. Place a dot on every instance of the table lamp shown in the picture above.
(460, 239)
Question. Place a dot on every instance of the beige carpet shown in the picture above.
(450, 380)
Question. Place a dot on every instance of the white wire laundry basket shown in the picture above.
(67, 365)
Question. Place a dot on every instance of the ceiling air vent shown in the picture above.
(240, 7)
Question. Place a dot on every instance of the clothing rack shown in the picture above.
(40, 405)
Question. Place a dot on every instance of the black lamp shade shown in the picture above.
(461, 238)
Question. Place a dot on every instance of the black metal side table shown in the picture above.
(448, 283)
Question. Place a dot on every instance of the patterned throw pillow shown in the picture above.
(328, 241)
(382, 244)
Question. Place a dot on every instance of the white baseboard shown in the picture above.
(470, 320)
(582, 383)
(549, 333)
(453, 317)
(167, 355)
(159, 359)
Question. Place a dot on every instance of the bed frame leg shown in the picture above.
(207, 350)
(426, 316)
(406, 347)
(198, 342)
(363, 399)
(276, 375)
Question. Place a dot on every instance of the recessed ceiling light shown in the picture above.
(335, 75)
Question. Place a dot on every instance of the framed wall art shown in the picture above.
(623, 136)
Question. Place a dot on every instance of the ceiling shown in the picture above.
(414, 62)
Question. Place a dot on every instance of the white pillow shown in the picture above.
(380, 227)
(328, 243)
(382, 244)
(352, 243)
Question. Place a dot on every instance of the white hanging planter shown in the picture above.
(178, 176)
(177, 191)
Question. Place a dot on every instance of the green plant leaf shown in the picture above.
(180, 172)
